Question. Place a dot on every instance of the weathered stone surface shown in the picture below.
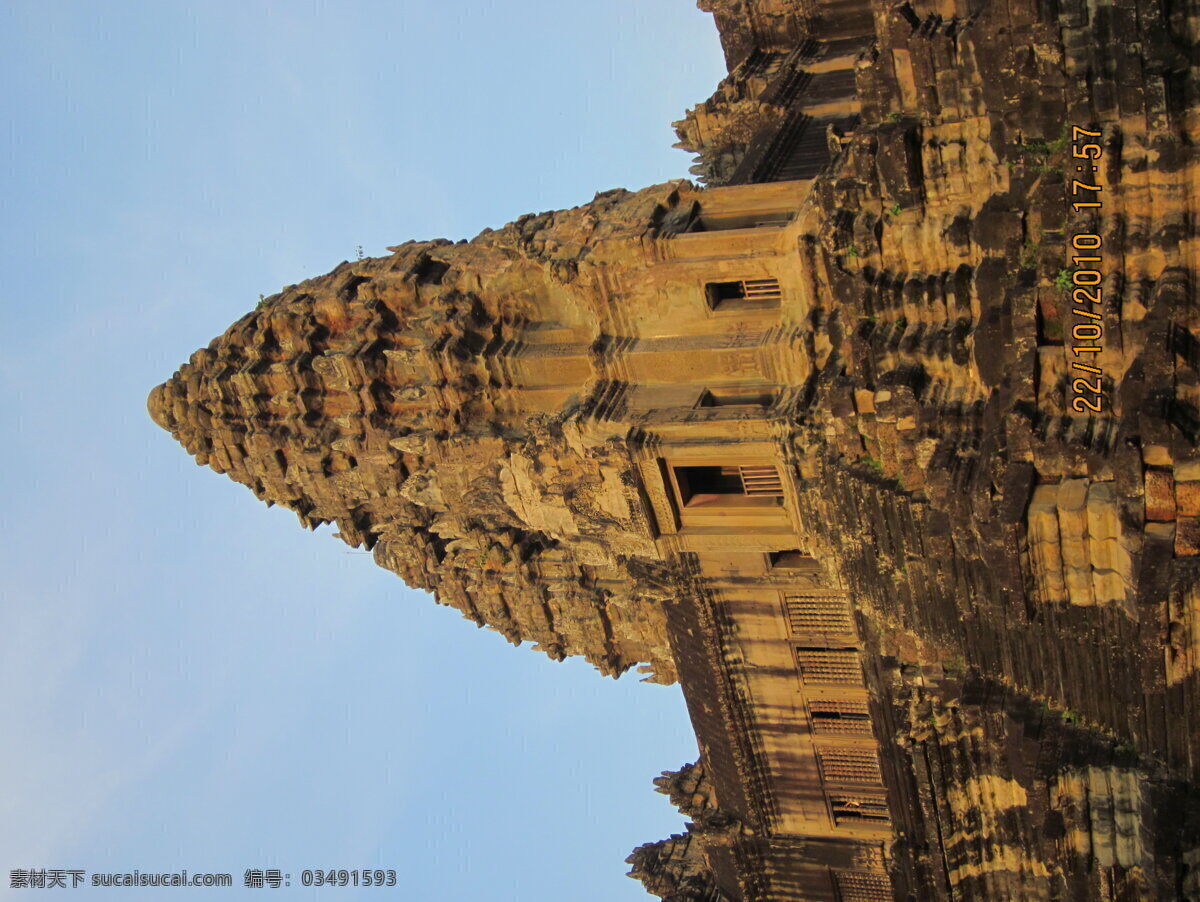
(808, 441)
(1160, 495)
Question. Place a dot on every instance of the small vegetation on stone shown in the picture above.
(874, 464)
(896, 208)
(1042, 148)
(262, 302)
(852, 250)
(1063, 280)
(1029, 253)
(1038, 152)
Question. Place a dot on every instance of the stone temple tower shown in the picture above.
(488, 416)
(806, 441)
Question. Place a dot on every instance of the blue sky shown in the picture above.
(188, 679)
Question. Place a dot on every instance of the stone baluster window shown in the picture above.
(818, 615)
(862, 886)
(858, 808)
(839, 717)
(836, 666)
(743, 294)
(730, 485)
(849, 765)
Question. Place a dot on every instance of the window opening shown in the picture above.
(830, 665)
(858, 808)
(793, 559)
(862, 886)
(839, 717)
(745, 294)
(718, 222)
(849, 766)
(820, 614)
(738, 396)
(709, 485)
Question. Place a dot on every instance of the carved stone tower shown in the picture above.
(804, 441)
